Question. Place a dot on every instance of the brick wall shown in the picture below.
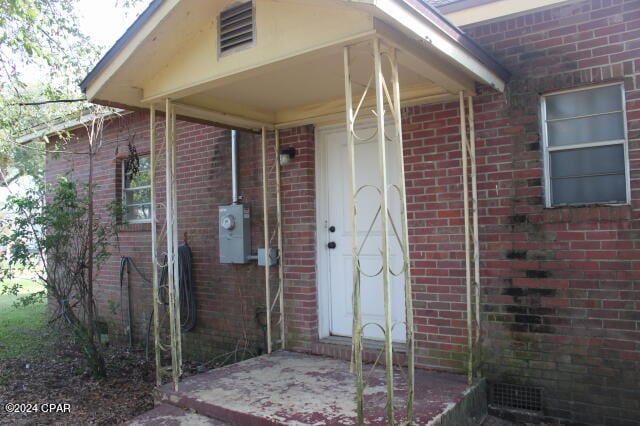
(436, 233)
(228, 296)
(562, 285)
(299, 235)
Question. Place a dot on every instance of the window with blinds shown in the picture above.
(585, 146)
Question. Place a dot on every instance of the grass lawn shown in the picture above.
(20, 327)
(39, 364)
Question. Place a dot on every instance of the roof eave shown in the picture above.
(65, 124)
(429, 26)
(460, 37)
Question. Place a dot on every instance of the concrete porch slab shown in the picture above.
(287, 388)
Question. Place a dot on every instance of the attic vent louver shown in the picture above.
(236, 27)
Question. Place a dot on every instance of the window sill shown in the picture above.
(584, 205)
(577, 213)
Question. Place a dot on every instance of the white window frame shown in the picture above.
(547, 150)
(124, 194)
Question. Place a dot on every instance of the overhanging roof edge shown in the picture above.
(424, 24)
(459, 37)
(66, 123)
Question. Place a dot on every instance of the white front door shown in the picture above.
(334, 215)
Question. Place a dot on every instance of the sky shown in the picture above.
(104, 22)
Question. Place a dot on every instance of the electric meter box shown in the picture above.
(234, 232)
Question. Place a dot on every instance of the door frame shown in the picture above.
(322, 238)
(322, 233)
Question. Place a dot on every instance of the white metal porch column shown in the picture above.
(171, 227)
(172, 344)
(471, 240)
(386, 101)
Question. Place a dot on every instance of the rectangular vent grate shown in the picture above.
(516, 396)
(236, 27)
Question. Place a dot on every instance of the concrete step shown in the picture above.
(170, 415)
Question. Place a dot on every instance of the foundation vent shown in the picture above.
(236, 27)
(503, 395)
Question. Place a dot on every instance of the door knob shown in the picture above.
(331, 245)
(332, 229)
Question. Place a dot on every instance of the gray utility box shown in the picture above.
(272, 257)
(234, 231)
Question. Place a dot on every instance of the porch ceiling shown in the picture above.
(307, 88)
(294, 72)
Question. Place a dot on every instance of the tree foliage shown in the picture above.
(41, 32)
(43, 56)
(62, 242)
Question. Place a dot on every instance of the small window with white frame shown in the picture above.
(585, 146)
(136, 190)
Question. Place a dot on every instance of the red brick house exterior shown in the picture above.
(560, 286)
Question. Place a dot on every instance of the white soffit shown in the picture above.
(474, 11)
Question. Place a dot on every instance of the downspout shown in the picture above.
(234, 166)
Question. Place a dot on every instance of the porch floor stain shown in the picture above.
(287, 388)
